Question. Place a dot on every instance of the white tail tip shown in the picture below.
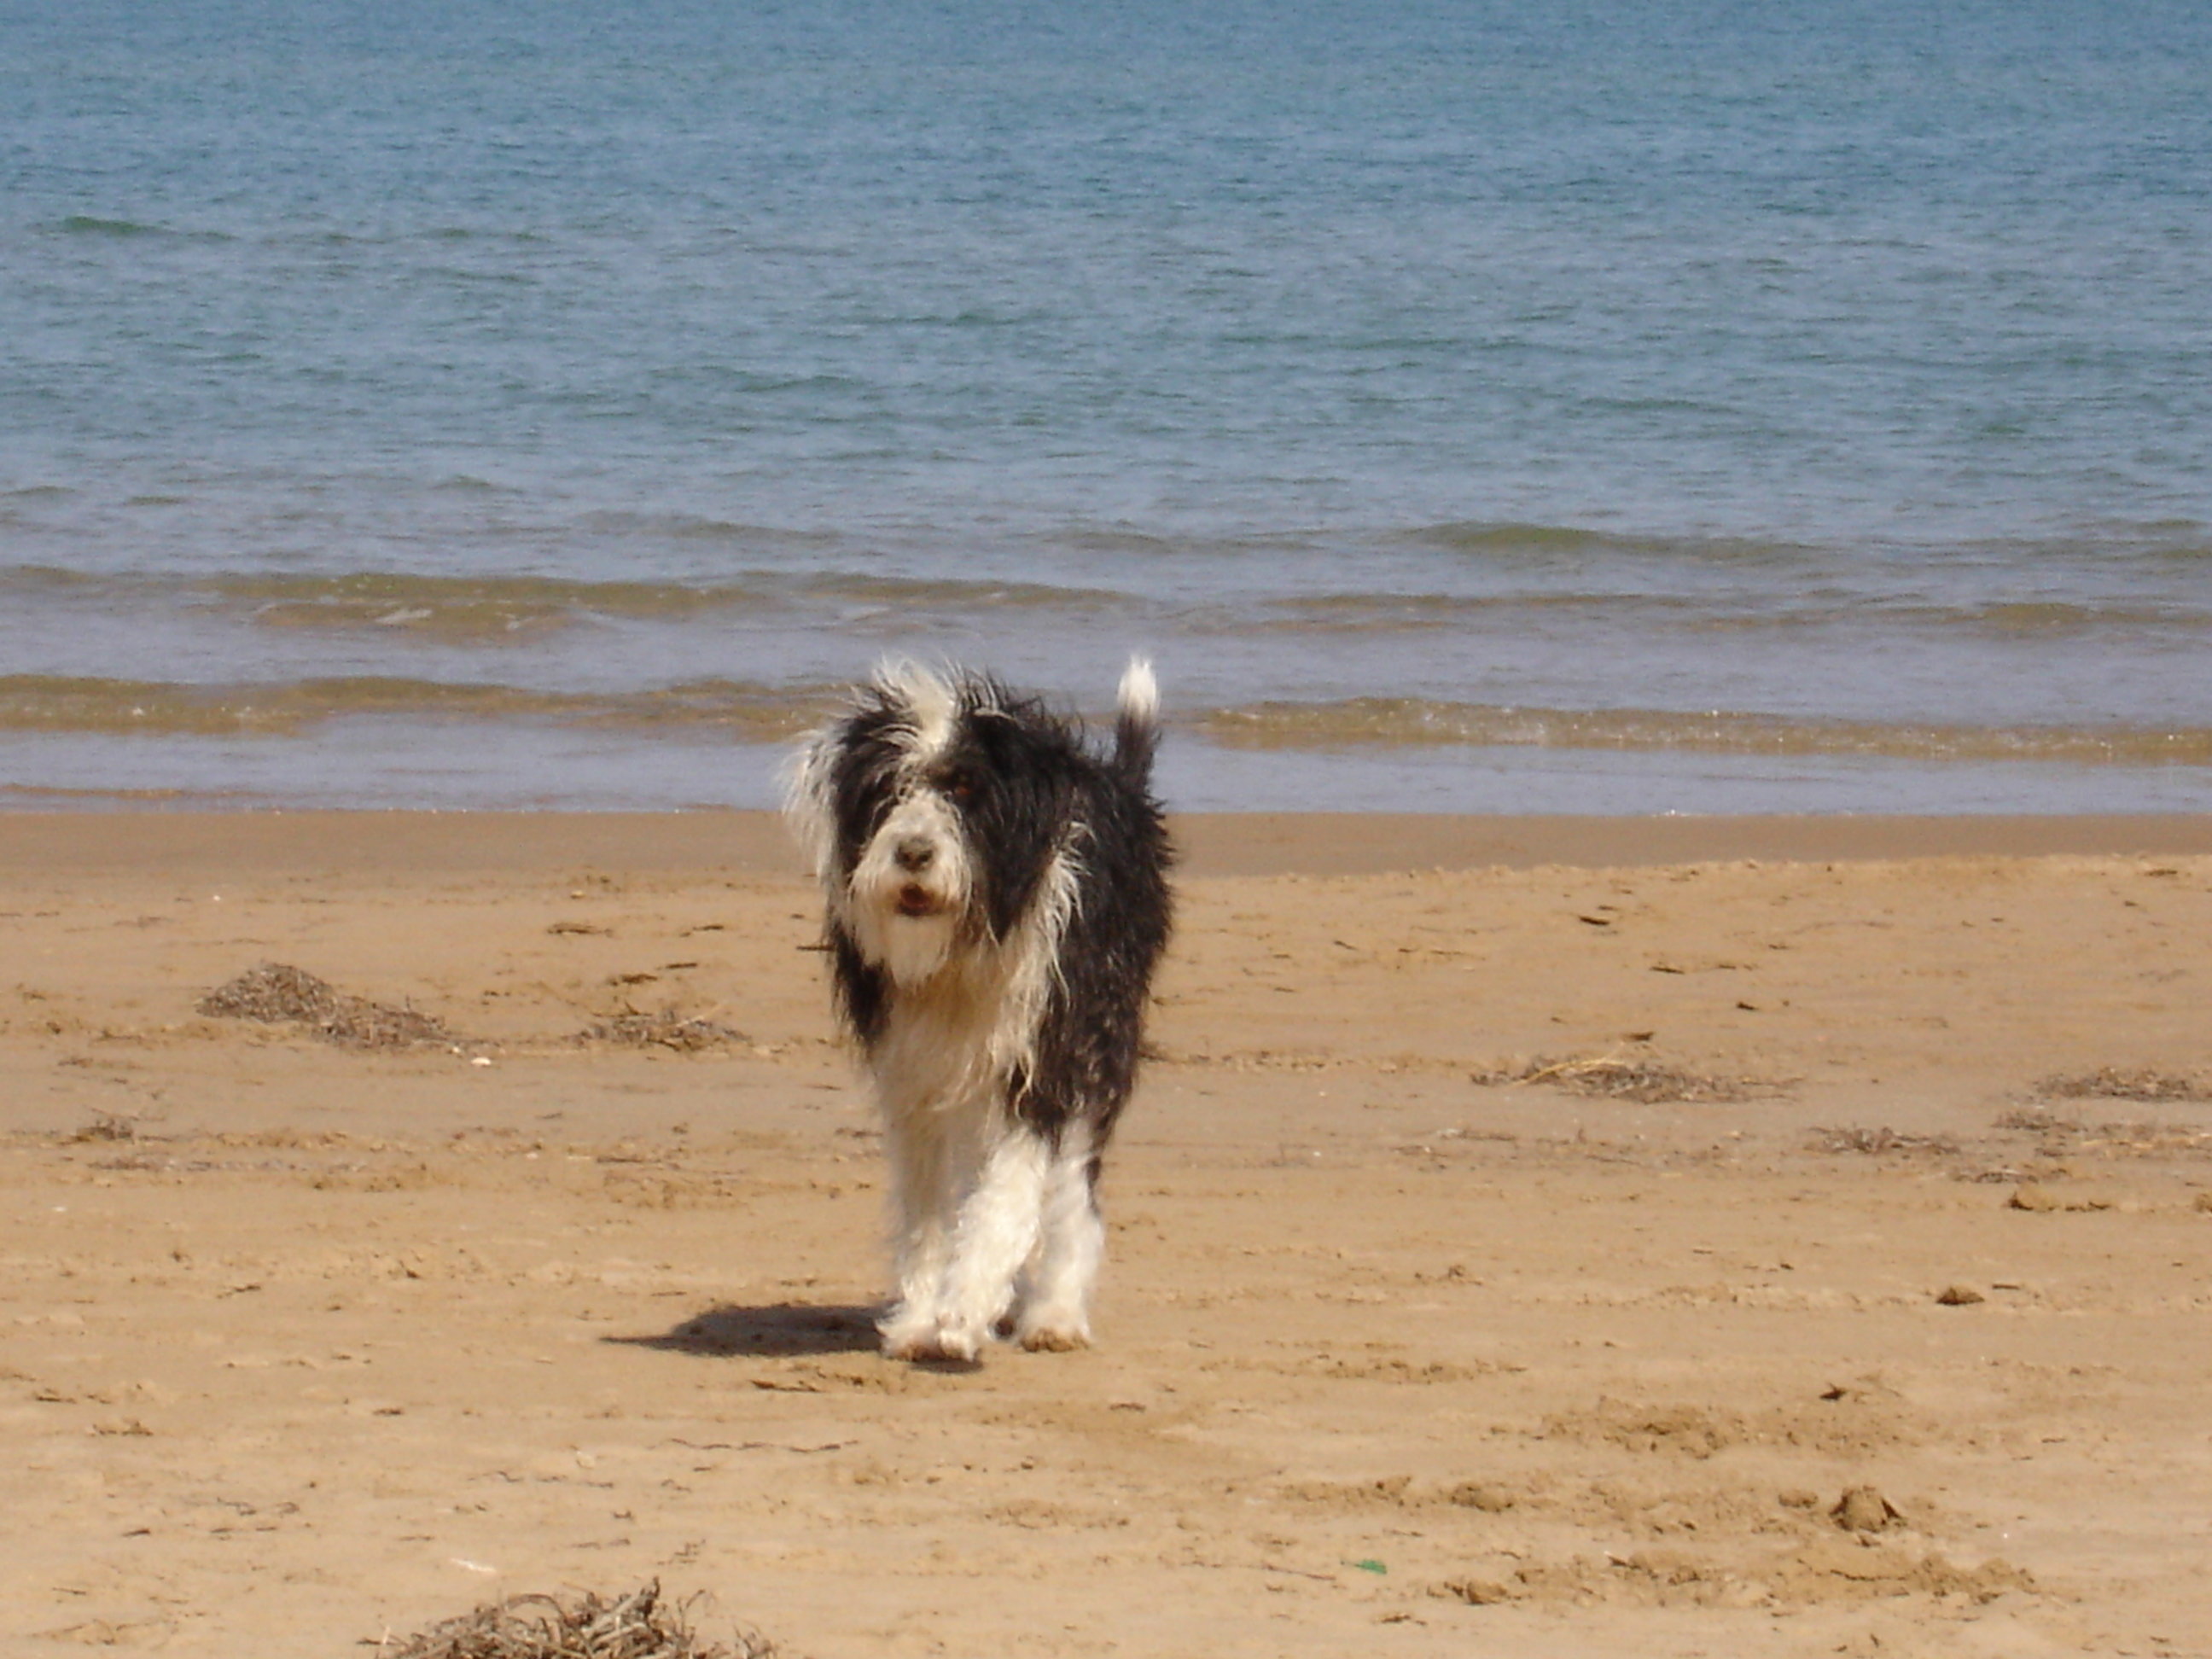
(1139, 696)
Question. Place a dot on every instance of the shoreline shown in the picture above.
(754, 842)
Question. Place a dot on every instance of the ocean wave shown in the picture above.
(1551, 541)
(751, 712)
(34, 581)
(471, 611)
(2158, 543)
(706, 528)
(49, 796)
(2035, 617)
(1480, 538)
(521, 610)
(757, 711)
(1359, 613)
(1410, 722)
(99, 226)
(926, 595)
(2014, 621)
(517, 609)
(460, 609)
(86, 224)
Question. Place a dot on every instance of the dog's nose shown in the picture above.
(914, 854)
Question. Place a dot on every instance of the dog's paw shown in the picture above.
(956, 1343)
(908, 1333)
(926, 1340)
(928, 1351)
(1055, 1338)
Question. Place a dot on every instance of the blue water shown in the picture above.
(1601, 407)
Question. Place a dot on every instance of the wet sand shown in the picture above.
(1527, 1234)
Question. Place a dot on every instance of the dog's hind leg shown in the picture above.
(997, 1233)
(1055, 1314)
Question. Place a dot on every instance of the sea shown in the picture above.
(1606, 406)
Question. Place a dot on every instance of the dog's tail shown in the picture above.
(1137, 720)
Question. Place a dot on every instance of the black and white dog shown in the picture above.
(997, 898)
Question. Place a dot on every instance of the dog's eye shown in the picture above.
(960, 788)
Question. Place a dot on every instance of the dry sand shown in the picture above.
(1528, 1236)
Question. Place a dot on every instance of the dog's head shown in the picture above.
(935, 813)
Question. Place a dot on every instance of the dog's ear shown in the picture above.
(864, 769)
(1021, 779)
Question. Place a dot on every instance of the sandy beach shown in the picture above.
(1611, 1236)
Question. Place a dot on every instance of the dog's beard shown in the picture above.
(911, 948)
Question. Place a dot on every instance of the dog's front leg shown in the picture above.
(998, 1231)
(924, 1198)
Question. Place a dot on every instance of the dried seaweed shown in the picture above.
(666, 1029)
(2067, 1136)
(108, 1126)
(2129, 1083)
(277, 993)
(638, 1625)
(2035, 1122)
(1647, 1082)
(1876, 1142)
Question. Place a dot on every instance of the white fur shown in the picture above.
(1055, 1300)
(806, 806)
(928, 695)
(1139, 696)
(969, 1186)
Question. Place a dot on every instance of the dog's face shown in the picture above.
(933, 811)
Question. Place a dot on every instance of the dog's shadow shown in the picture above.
(780, 1330)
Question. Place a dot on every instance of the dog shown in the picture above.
(996, 897)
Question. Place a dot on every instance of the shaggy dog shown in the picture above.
(997, 898)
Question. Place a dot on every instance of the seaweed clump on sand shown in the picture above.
(638, 1625)
(277, 993)
(631, 1029)
(2129, 1083)
(1645, 1081)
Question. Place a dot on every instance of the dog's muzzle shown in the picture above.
(915, 855)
